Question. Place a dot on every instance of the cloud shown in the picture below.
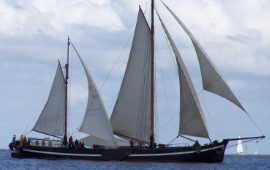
(234, 36)
(239, 38)
(33, 16)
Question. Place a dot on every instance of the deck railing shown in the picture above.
(59, 143)
(45, 142)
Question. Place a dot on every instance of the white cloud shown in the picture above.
(234, 36)
(33, 16)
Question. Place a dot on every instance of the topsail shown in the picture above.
(212, 80)
(192, 121)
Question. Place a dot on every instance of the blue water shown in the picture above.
(230, 162)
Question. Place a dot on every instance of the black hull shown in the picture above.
(209, 153)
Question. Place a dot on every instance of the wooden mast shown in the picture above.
(152, 139)
(66, 91)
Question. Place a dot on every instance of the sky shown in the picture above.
(235, 35)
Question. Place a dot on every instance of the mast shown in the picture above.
(152, 139)
(66, 90)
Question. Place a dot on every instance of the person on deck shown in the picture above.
(131, 143)
(70, 142)
(65, 140)
(21, 140)
(76, 143)
(82, 145)
(14, 141)
(79, 145)
(12, 145)
(24, 140)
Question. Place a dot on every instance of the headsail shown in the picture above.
(95, 121)
(131, 114)
(192, 121)
(212, 80)
(51, 119)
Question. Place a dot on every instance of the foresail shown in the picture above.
(95, 121)
(131, 114)
(212, 80)
(51, 119)
(192, 121)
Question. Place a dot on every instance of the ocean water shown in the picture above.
(230, 162)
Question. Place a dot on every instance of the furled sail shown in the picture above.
(212, 80)
(95, 121)
(51, 119)
(192, 121)
(131, 114)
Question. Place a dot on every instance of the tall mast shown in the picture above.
(152, 139)
(66, 89)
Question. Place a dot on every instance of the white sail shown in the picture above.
(92, 140)
(212, 80)
(131, 114)
(239, 149)
(95, 121)
(192, 121)
(256, 152)
(51, 119)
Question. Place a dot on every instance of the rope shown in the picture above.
(210, 116)
(166, 97)
(164, 89)
(255, 124)
(173, 140)
(111, 70)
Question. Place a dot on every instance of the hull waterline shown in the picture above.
(208, 153)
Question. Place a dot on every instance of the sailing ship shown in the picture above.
(256, 152)
(132, 118)
(239, 148)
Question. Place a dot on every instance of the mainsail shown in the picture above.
(192, 121)
(51, 119)
(131, 114)
(95, 121)
(212, 80)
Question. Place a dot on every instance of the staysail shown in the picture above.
(131, 114)
(95, 121)
(192, 121)
(51, 119)
(212, 80)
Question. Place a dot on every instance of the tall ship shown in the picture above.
(129, 134)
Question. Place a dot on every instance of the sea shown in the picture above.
(246, 162)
